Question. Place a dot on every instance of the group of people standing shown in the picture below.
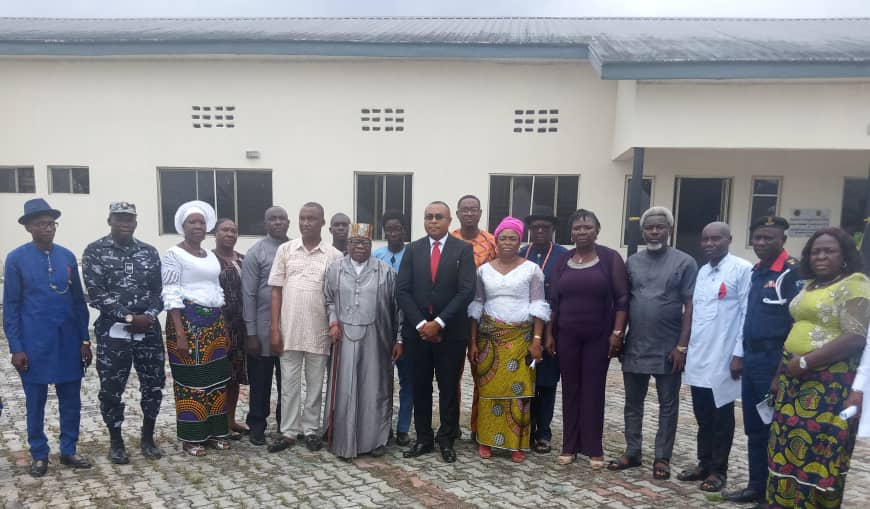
(782, 333)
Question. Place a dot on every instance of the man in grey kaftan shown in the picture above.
(364, 325)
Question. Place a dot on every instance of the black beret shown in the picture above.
(774, 221)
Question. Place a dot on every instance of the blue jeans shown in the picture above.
(758, 371)
(69, 401)
(406, 395)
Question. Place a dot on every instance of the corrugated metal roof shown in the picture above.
(842, 44)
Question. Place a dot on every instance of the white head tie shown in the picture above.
(195, 207)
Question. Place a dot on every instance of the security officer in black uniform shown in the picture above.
(775, 282)
(122, 276)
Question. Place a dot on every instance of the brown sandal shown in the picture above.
(217, 443)
(193, 449)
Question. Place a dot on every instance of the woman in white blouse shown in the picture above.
(507, 321)
(196, 338)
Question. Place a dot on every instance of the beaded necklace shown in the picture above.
(546, 258)
(51, 272)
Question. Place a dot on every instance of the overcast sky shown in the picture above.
(652, 8)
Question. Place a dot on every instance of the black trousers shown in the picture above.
(114, 359)
(260, 372)
(715, 430)
(543, 405)
(444, 360)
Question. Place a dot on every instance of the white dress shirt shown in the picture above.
(432, 242)
(718, 311)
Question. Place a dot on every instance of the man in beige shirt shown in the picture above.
(300, 327)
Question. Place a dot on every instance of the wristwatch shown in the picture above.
(682, 349)
(802, 362)
(618, 333)
(128, 318)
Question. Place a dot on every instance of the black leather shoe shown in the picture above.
(402, 438)
(418, 449)
(378, 451)
(448, 454)
(743, 496)
(281, 444)
(257, 438)
(118, 453)
(150, 450)
(76, 461)
(39, 467)
(313, 443)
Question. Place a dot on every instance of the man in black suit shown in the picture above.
(436, 283)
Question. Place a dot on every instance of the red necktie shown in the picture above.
(434, 259)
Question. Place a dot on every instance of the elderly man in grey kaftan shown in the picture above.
(364, 325)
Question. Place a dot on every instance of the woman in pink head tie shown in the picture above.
(507, 321)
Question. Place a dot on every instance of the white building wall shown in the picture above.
(124, 118)
(794, 114)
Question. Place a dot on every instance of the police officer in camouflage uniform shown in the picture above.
(122, 276)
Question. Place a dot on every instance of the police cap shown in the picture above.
(774, 221)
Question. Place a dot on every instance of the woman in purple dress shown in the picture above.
(589, 302)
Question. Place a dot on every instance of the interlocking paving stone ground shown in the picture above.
(248, 476)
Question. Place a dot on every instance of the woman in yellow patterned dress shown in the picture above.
(507, 321)
(810, 445)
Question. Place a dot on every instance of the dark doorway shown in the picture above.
(698, 202)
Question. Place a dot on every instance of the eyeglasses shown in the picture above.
(469, 210)
(393, 229)
(436, 217)
(43, 225)
(541, 227)
(359, 242)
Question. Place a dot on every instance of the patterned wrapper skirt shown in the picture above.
(201, 379)
(810, 445)
(506, 384)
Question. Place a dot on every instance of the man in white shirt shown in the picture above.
(299, 330)
(719, 308)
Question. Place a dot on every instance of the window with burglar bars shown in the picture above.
(518, 195)
(240, 195)
(69, 179)
(645, 200)
(764, 200)
(376, 193)
(17, 179)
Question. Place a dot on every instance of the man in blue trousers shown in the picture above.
(776, 280)
(45, 319)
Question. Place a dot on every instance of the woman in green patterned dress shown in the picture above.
(810, 445)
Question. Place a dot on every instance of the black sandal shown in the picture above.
(713, 483)
(696, 474)
(624, 462)
(661, 469)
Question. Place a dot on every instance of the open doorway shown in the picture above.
(697, 202)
